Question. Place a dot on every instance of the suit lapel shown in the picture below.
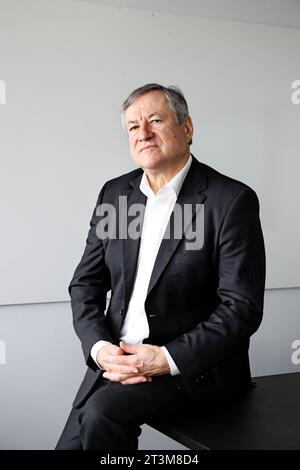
(191, 193)
(130, 246)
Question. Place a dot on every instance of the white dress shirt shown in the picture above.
(158, 209)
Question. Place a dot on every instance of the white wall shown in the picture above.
(67, 67)
(60, 139)
(45, 367)
(271, 12)
(43, 370)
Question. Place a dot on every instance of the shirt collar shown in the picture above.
(175, 183)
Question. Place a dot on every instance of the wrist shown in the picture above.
(163, 361)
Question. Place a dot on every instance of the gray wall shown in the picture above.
(44, 366)
(67, 69)
(41, 364)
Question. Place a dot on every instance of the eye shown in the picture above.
(133, 128)
(155, 120)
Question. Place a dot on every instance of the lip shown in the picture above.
(149, 147)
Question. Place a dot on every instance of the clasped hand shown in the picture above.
(132, 363)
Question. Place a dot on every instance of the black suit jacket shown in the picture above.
(202, 305)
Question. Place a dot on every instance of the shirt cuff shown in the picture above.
(96, 348)
(173, 368)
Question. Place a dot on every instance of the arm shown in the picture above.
(88, 289)
(240, 290)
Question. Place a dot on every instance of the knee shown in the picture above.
(95, 414)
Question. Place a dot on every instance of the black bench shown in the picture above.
(267, 417)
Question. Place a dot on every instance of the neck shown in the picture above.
(157, 179)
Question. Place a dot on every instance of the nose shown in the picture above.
(145, 132)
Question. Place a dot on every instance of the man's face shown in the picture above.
(156, 140)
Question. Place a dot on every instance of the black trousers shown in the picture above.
(111, 417)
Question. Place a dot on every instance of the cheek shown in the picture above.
(178, 140)
(170, 135)
(171, 140)
(134, 151)
(132, 145)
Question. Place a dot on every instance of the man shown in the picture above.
(180, 316)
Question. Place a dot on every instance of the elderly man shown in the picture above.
(177, 329)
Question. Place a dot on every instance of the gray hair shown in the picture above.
(173, 95)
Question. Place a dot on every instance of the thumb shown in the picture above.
(129, 348)
(118, 352)
(113, 349)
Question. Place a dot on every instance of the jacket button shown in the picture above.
(121, 311)
(197, 380)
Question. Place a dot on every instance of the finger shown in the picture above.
(131, 360)
(115, 377)
(120, 369)
(136, 380)
(129, 348)
(117, 352)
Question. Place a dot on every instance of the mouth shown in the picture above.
(148, 147)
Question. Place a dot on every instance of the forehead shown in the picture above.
(147, 104)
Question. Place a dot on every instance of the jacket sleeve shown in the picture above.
(88, 289)
(241, 272)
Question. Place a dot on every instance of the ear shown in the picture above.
(188, 128)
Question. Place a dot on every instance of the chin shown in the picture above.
(148, 161)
